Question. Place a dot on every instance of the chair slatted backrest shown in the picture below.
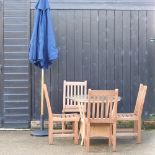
(102, 104)
(140, 100)
(49, 108)
(73, 89)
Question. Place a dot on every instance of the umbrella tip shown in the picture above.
(42, 5)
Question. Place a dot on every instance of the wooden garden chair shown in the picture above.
(135, 116)
(55, 118)
(101, 116)
(71, 89)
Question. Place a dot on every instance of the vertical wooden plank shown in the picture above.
(37, 88)
(54, 69)
(36, 81)
(86, 46)
(102, 49)
(28, 27)
(110, 49)
(78, 45)
(93, 108)
(102, 109)
(134, 58)
(33, 110)
(143, 53)
(119, 53)
(125, 106)
(70, 45)
(1, 62)
(62, 41)
(142, 48)
(97, 111)
(94, 49)
(151, 60)
(68, 94)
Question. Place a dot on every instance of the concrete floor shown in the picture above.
(22, 143)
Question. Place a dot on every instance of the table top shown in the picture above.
(83, 98)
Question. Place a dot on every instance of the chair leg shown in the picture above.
(85, 133)
(110, 136)
(84, 141)
(75, 132)
(63, 126)
(88, 138)
(138, 140)
(87, 144)
(73, 125)
(114, 137)
(82, 132)
(135, 126)
(50, 133)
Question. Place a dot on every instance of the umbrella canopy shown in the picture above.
(42, 50)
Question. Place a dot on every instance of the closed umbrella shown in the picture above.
(42, 50)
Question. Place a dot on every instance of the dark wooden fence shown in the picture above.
(108, 48)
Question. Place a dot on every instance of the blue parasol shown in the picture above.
(42, 50)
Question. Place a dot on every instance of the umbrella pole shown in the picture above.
(42, 100)
(41, 131)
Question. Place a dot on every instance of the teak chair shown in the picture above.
(135, 116)
(55, 118)
(71, 89)
(101, 116)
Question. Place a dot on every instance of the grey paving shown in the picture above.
(22, 143)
